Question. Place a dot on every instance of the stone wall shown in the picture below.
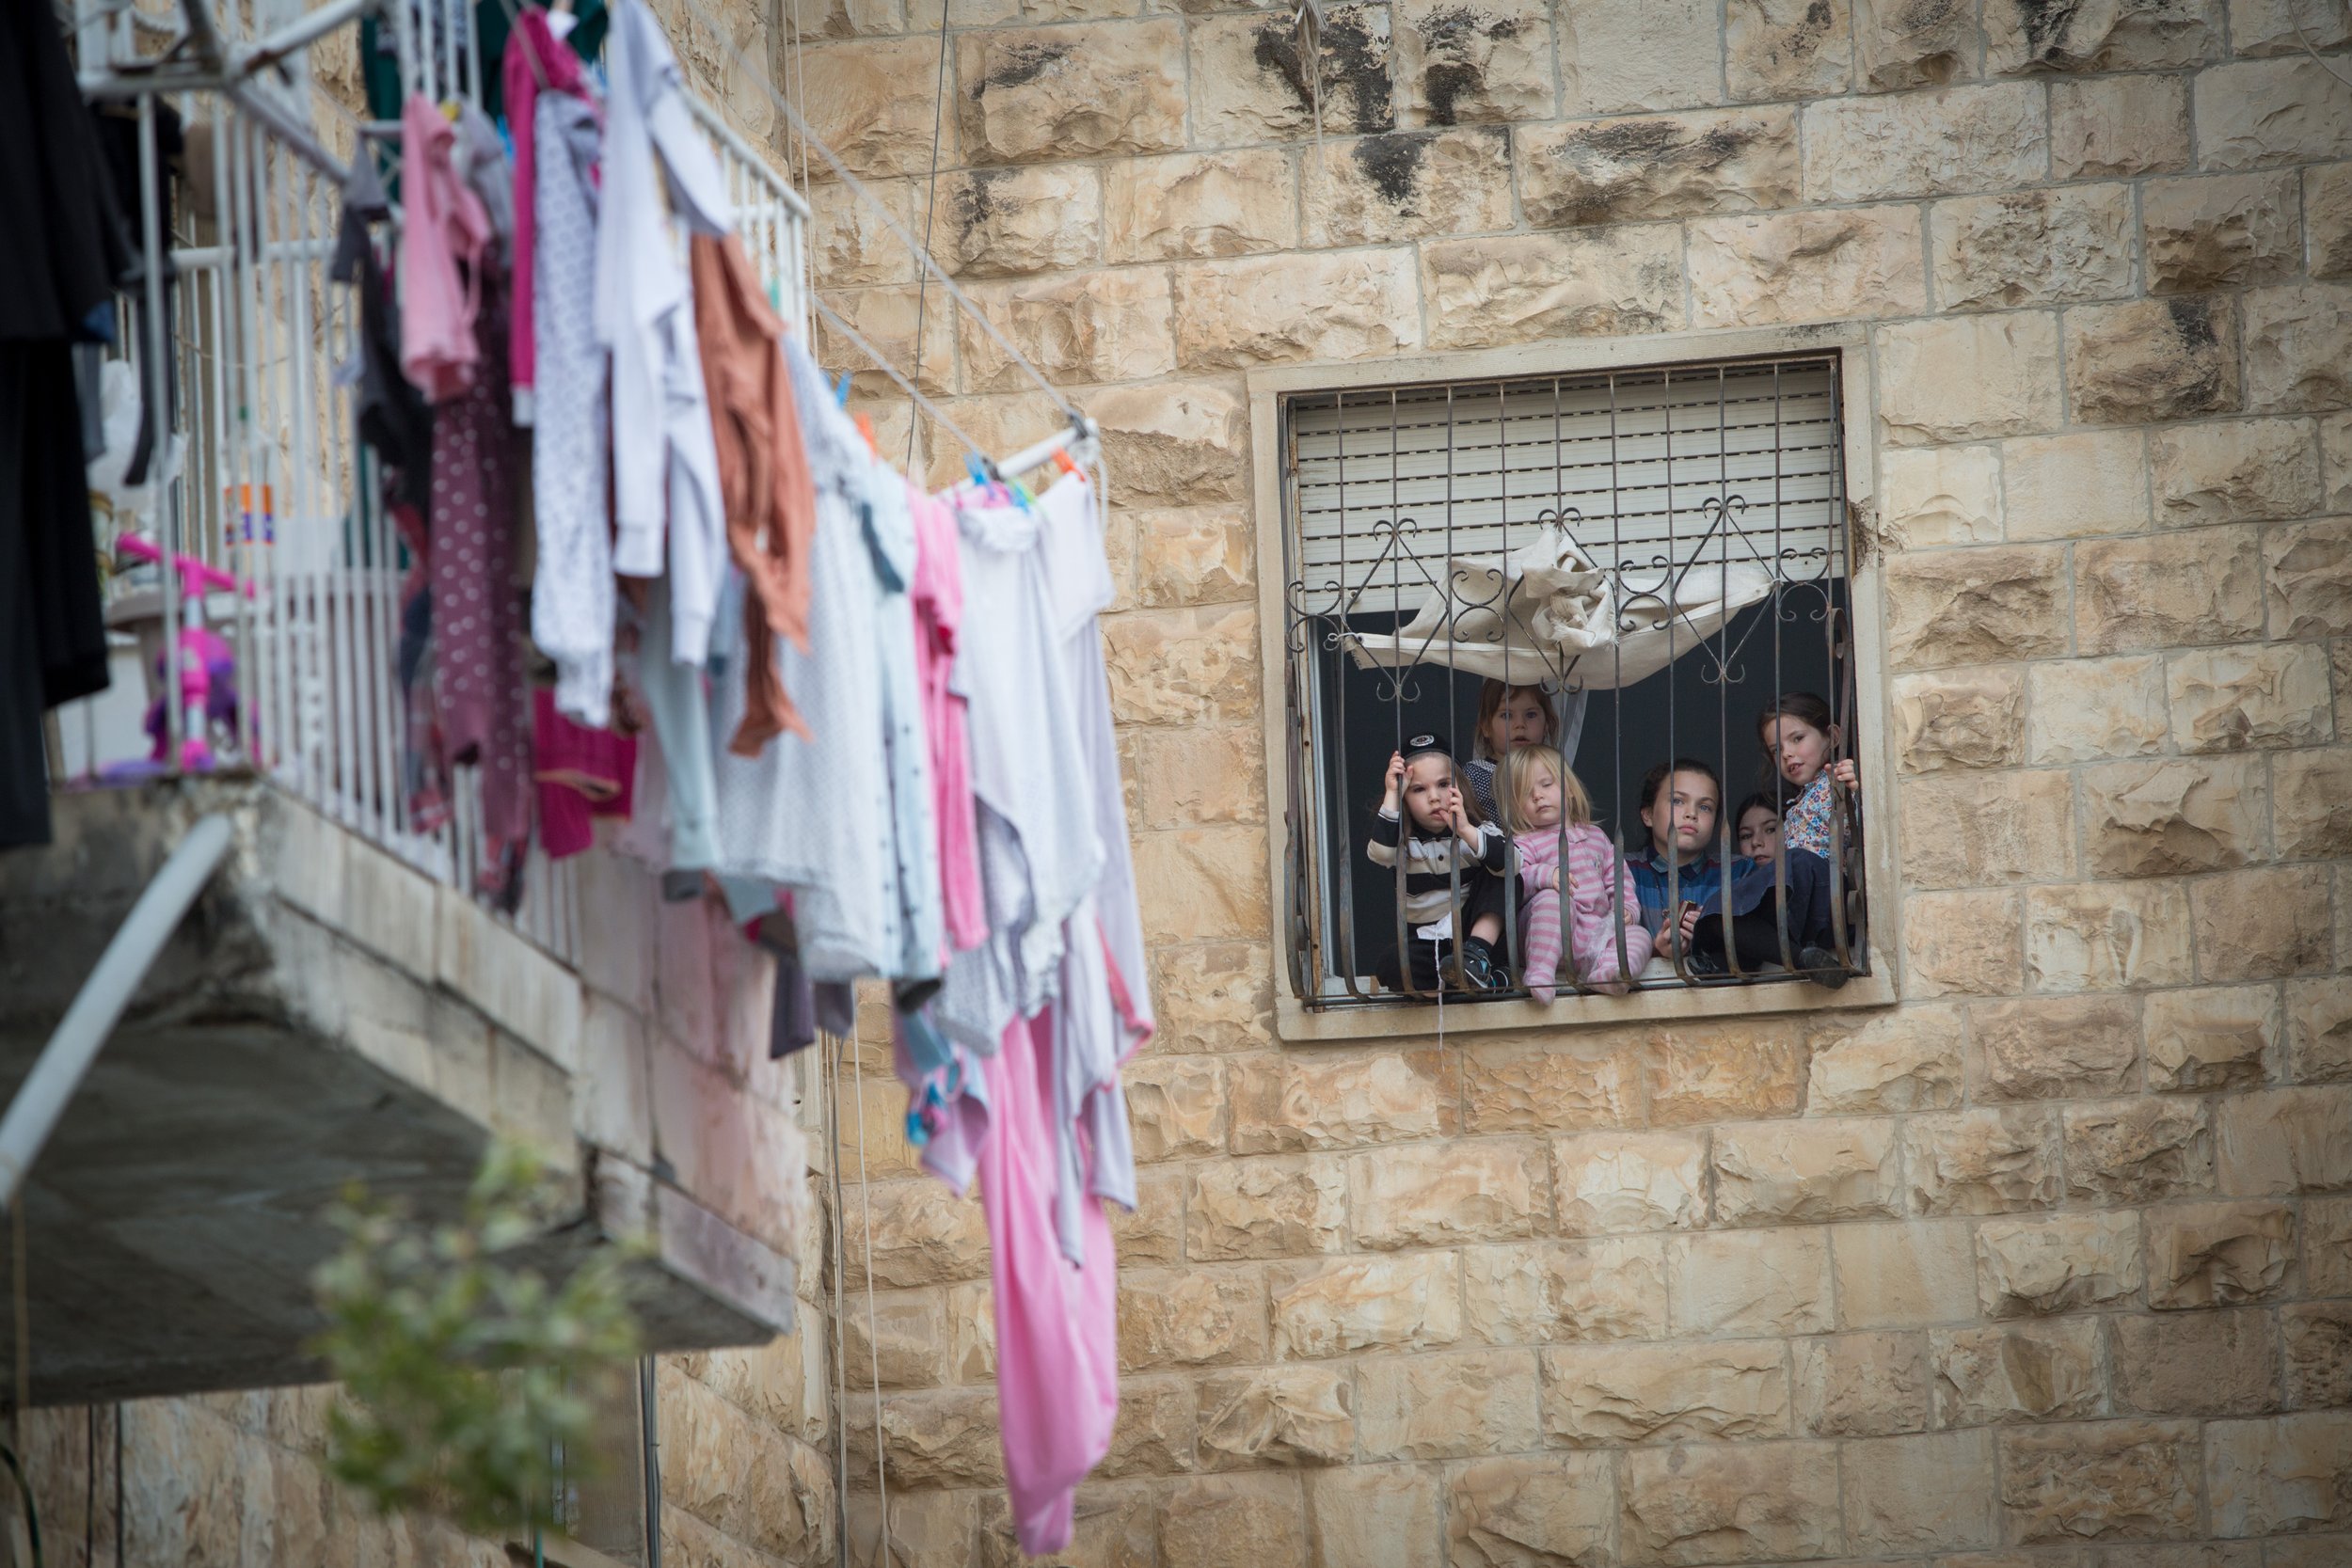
(2049, 1266)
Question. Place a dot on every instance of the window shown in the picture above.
(1663, 551)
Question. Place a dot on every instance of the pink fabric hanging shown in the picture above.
(442, 236)
(938, 593)
(532, 38)
(1056, 1326)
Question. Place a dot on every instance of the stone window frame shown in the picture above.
(1268, 384)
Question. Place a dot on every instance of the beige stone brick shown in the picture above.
(1788, 48)
(1959, 140)
(875, 103)
(2055, 1048)
(2273, 694)
(1268, 1208)
(2161, 818)
(2313, 802)
(1723, 1069)
(2067, 486)
(1157, 1427)
(2335, 459)
(2316, 1340)
(1519, 288)
(1805, 267)
(1436, 1194)
(2299, 347)
(910, 1330)
(1508, 1088)
(1215, 1521)
(1210, 884)
(2018, 38)
(2287, 1473)
(1906, 1060)
(1982, 1159)
(1964, 378)
(1749, 1282)
(1177, 1105)
(1618, 1181)
(1967, 718)
(1966, 605)
(1195, 206)
(1967, 830)
(2138, 1151)
(1556, 1508)
(1930, 1491)
(2027, 1267)
(1277, 1416)
(1914, 43)
(2221, 231)
(1964, 942)
(1176, 444)
(1607, 1395)
(1937, 495)
(1653, 167)
(1408, 185)
(2326, 1246)
(1262, 311)
(1806, 1171)
(1381, 1515)
(2294, 1551)
(1248, 86)
(849, 242)
(1153, 1231)
(1035, 95)
(942, 1437)
(2084, 710)
(2108, 936)
(2118, 125)
(1730, 1502)
(1860, 1385)
(2032, 247)
(2259, 924)
(1183, 666)
(2101, 1481)
(2151, 359)
(1199, 776)
(927, 1530)
(1617, 56)
(2267, 112)
(2268, 27)
(1091, 327)
(1212, 996)
(1287, 1104)
(2319, 1029)
(886, 318)
(1192, 1317)
(2215, 1254)
(1405, 1303)
(1903, 1275)
(2294, 1140)
(917, 1233)
(1461, 65)
(2327, 219)
(1112, 1525)
(2309, 577)
(2023, 1372)
(2194, 1363)
(2213, 1037)
(1536, 1292)
(1447, 1405)
(2233, 470)
(1003, 222)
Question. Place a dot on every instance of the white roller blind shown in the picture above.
(1473, 469)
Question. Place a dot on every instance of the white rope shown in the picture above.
(841, 171)
(873, 1337)
(840, 1349)
(842, 327)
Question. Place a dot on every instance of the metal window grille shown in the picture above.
(264, 481)
(1676, 489)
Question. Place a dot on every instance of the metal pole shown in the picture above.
(63, 1063)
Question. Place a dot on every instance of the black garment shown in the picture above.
(62, 246)
(116, 128)
(393, 418)
(1483, 894)
(1755, 936)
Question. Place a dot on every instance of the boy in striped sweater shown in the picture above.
(1452, 863)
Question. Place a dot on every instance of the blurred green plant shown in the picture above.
(465, 1374)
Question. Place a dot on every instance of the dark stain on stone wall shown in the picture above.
(1393, 163)
(1019, 64)
(1354, 67)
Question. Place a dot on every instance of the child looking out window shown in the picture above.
(1454, 860)
(1508, 715)
(1683, 886)
(1800, 762)
(1561, 852)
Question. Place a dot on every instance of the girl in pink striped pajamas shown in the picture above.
(1559, 848)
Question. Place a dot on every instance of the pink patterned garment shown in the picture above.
(938, 617)
(1592, 932)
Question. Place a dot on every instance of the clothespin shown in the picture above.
(1019, 492)
(978, 469)
(841, 392)
(1062, 461)
(866, 428)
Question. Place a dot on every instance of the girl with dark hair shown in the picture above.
(1508, 717)
(1800, 739)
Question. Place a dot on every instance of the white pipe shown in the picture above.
(63, 1063)
(1079, 429)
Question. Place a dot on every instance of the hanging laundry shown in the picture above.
(393, 416)
(770, 501)
(917, 924)
(571, 601)
(531, 53)
(665, 467)
(938, 595)
(582, 774)
(443, 233)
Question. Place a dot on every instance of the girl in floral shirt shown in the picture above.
(1800, 752)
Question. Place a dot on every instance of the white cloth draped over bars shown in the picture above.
(1548, 614)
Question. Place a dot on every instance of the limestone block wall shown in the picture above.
(2051, 1264)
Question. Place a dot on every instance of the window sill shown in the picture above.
(1299, 1025)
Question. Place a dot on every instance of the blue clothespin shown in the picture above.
(918, 1134)
(978, 469)
(841, 392)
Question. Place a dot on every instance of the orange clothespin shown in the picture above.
(866, 428)
(1062, 461)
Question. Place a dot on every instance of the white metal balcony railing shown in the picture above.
(273, 648)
